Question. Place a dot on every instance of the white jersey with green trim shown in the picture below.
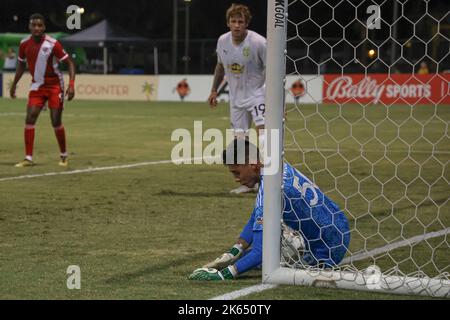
(244, 66)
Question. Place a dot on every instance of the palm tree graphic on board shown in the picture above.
(148, 89)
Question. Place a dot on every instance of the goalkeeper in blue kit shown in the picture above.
(313, 225)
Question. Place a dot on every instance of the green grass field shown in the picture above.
(138, 232)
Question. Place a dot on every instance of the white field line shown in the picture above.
(95, 169)
(9, 114)
(14, 114)
(261, 287)
(243, 292)
(89, 116)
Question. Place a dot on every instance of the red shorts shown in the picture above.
(53, 94)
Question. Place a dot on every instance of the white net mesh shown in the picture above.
(367, 113)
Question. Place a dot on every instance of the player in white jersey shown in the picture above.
(241, 58)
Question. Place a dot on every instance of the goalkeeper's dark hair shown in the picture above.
(37, 16)
(240, 151)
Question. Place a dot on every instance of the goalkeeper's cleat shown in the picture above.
(24, 163)
(245, 189)
(64, 162)
(210, 274)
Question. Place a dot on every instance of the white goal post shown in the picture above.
(370, 128)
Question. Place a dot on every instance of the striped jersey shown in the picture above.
(43, 58)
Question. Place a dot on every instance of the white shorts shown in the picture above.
(241, 117)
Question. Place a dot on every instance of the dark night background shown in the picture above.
(149, 18)
(154, 20)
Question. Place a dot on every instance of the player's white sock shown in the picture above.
(29, 158)
(233, 271)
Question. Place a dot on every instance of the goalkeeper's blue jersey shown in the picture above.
(324, 227)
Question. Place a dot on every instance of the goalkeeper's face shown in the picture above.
(246, 174)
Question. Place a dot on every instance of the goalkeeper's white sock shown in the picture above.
(233, 271)
(228, 273)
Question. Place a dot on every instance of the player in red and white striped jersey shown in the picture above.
(43, 54)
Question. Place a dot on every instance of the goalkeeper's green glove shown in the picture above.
(227, 258)
(210, 274)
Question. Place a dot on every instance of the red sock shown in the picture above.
(29, 139)
(61, 137)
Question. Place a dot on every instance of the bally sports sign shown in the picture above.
(387, 89)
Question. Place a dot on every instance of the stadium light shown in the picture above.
(372, 53)
(80, 10)
(175, 36)
(186, 57)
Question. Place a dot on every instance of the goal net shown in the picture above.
(360, 91)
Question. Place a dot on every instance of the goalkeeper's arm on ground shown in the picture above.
(230, 257)
(245, 259)
(251, 259)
